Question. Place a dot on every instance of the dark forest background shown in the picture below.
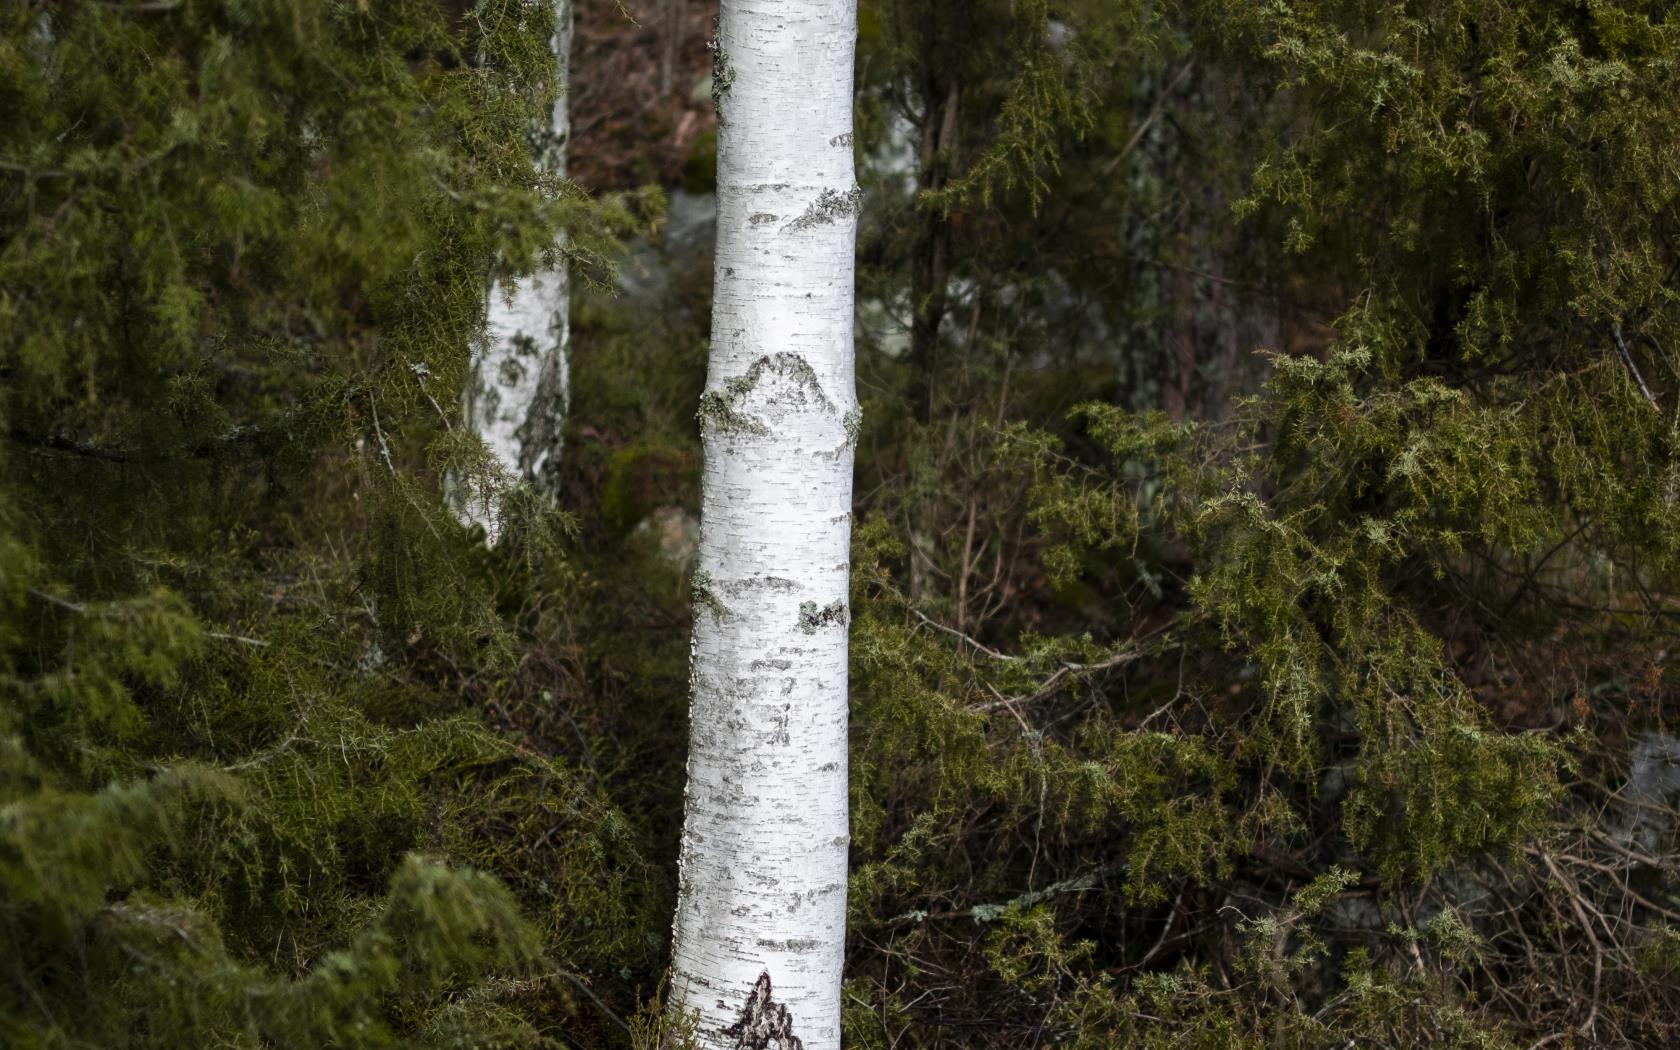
(1266, 569)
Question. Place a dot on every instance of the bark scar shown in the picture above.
(763, 1019)
(725, 409)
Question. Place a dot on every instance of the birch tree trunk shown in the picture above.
(518, 393)
(760, 922)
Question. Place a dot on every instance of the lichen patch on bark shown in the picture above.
(723, 74)
(830, 206)
(703, 589)
(811, 618)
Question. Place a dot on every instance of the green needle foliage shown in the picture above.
(1280, 670)
(246, 798)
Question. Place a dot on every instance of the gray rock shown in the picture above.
(673, 534)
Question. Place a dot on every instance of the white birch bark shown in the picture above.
(760, 922)
(518, 393)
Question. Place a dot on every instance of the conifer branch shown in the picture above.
(63, 444)
(69, 446)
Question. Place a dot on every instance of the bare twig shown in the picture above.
(953, 632)
(1633, 369)
(1149, 121)
(55, 600)
(222, 636)
(1586, 1027)
(583, 987)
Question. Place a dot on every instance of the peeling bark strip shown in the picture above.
(763, 870)
(517, 395)
(763, 1019)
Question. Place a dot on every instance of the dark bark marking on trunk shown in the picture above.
(763, 1019)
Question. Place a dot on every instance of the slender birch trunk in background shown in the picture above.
(518, 393)
(760, 922)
